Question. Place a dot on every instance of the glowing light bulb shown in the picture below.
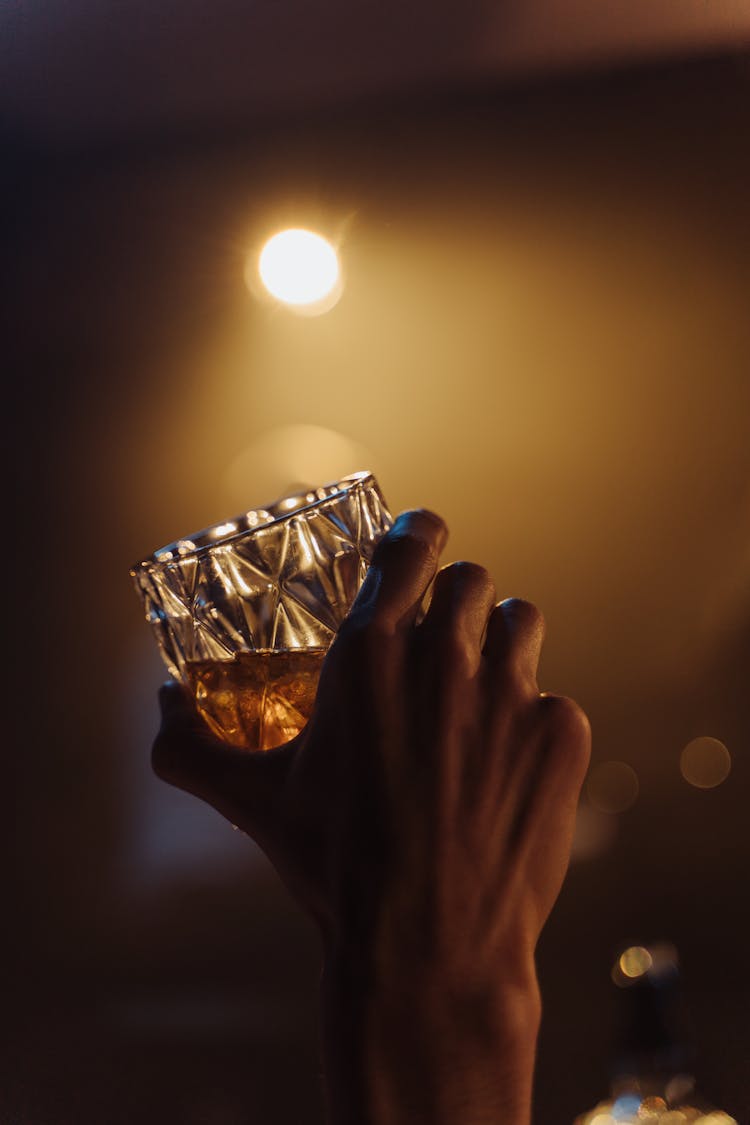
(300, 268)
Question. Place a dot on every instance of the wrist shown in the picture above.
(417, 1045)
(459, 1052)
(500, 1000)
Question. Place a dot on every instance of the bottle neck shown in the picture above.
(650, 1055)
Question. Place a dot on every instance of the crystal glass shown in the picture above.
(244, 612)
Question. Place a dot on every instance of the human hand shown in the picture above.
(425, 814)
(427, 753)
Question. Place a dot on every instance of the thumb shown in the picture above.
(244, 785)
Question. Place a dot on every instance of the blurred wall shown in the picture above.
(543, 335)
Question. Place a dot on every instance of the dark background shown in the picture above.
(543, 335)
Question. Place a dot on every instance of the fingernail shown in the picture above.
(423, 524)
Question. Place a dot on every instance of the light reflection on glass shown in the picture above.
(257, 517)
(223, 529)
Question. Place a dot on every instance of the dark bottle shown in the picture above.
(652, 1069)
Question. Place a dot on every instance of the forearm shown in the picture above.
(416, 1053)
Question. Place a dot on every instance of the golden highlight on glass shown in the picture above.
(244, 612)
(257, 699)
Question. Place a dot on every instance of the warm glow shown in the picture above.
(651, 1109)
(705, 763)
(299, 267)
(635, 961)
(290, 458)
(629, 1109)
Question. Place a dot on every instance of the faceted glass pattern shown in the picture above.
(273, 579)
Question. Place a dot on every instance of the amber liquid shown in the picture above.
(257, 700)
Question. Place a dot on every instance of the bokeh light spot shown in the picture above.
(612, 787)
(290, 458)
(635, 961)
(651, 1109)
(705, 763)
(679, 1088)
(299, 267)
(626, 1108)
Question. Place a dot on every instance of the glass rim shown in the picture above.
(247, 523)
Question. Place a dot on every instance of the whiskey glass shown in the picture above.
(244, 611)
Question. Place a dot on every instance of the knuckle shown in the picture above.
(567, 723)
(523, 612)
(363, 639)
(405, 547)
(469, 575)
(424, 521)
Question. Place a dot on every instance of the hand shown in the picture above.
(424, 816)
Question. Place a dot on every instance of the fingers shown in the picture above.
(536, 804)
(185, 752)
(241, 784)
(515, 632)
(403, 566)
(564, 748)
(462, 598)
(547, 821)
